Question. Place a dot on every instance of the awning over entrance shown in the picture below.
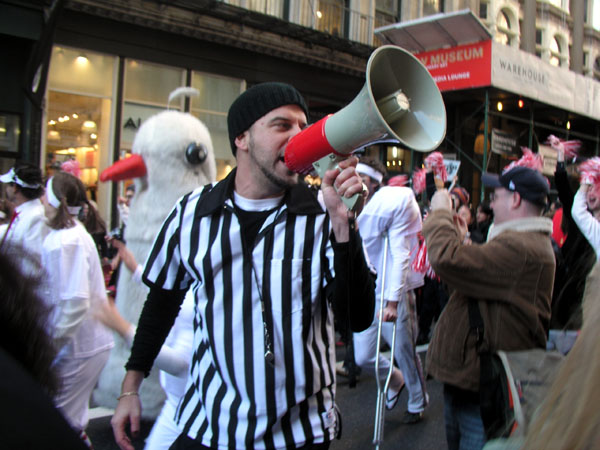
(434, 32)
(493, 91)
(459, 53)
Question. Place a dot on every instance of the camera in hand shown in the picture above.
(116, 233)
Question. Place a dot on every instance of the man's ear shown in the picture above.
(516, 200)
(241, 142)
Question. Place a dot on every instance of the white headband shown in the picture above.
(12, 177)
(369, 171)
(54, 201)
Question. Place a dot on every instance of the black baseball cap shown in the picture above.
(529, 183)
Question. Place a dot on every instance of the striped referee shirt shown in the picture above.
(234, 398)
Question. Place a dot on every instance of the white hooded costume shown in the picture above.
(162, 142)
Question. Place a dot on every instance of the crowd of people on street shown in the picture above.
(252, 280)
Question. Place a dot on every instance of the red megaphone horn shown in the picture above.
(399, 100)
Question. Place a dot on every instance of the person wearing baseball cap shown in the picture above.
(27, 228)
(506, 282)
(529, 184)
(270, 264)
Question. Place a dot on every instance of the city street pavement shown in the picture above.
(357, 406)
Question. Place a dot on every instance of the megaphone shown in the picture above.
(399, 100)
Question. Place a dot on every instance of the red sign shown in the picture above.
(461, 67)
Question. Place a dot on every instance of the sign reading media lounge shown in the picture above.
(488, 63)
(461, 67)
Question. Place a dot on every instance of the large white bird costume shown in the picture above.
(172, 155)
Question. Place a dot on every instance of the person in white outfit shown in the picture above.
(393, 211)
(586, 204)
(27, 228)
(173, 359)
(75, 289)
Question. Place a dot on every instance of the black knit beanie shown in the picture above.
(257, 101)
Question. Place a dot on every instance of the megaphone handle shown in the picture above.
(452, 184)
(331, 162)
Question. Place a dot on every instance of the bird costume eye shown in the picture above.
(196, 153)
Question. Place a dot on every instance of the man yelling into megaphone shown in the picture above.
(269, 265)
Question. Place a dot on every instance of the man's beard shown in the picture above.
(280, 183)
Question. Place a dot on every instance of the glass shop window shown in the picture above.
(145, 93)
(216, 96)
(78, 118)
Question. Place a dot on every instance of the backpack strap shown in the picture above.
(476, 321)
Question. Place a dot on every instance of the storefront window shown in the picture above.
(216, 96)
(397, 160)
(78, 117)
(10, 131)
(146, 92)
(73, 70)
(149, 83)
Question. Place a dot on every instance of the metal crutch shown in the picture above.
(381, 394)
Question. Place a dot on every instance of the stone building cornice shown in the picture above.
(215, 21)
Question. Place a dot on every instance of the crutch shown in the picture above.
(382, 393)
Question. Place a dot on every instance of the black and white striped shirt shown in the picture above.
(233, 397)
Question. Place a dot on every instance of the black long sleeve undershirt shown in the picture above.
(353, 300)
(565, 193)
(156, 320)
(354, 284)
(578, 258)
(430, 186)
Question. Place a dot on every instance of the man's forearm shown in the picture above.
(341, 230)
(159, 313)
(132, 382)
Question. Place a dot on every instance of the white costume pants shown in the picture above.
(78, 377)
(165, 430)
(405, 353)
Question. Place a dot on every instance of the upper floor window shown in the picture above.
(539, 40)
(587, 70)
(330, 16)
(431, 7)
(563, 4)
(270, 7)
(505, 33)
(597, 68)
(483, 9)
(386, 13)
(557, 57)
(591, 13)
